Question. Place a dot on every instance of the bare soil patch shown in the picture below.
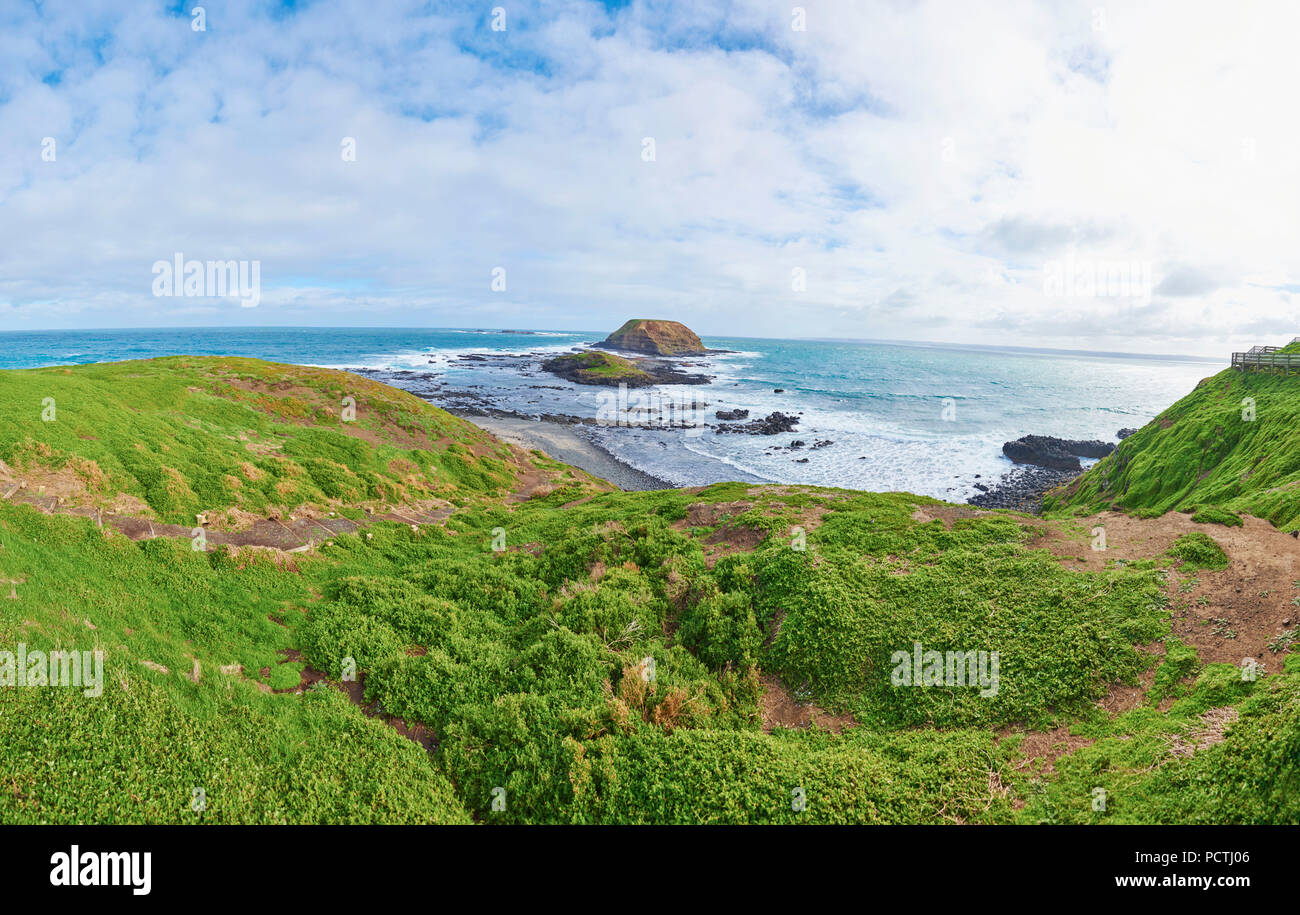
(356, 693)
(947, 514)
(781, 710)
(1041, 749)
(708, 514)
(727, 538)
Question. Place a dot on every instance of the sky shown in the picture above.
(1121, 177)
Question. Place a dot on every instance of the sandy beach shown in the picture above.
(565, 443)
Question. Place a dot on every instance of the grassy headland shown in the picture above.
(574, 654)
(1232, 443)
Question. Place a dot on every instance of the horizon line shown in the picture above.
(481, 328)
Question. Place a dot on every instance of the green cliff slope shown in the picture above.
(1233, 442)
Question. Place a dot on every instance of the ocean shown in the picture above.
(925, 418)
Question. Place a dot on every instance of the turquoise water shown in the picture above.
(926, 419)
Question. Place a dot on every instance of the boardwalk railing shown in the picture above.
(1267, 359)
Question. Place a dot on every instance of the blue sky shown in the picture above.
(1059, 174)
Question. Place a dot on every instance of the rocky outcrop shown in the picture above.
(599, 368)
(1056, 453)
(772, 424)
(1124, 433)
(655, 338)
(732, 415)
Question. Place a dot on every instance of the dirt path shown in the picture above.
(355, 690)
(291, 535)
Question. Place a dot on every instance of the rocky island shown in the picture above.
(655, 338)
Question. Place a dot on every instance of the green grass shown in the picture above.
(1210, 514)
(532, 665)
(1198, 550)
(136, 753)
(1179, 663)
(183, 435)
(1249, 776)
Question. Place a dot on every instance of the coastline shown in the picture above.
(878, 407)
(846, 435)
(1020, 489)
(565, 444)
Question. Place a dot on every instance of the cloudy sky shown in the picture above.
(1122, 176)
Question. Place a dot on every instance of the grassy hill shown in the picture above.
(1232, 443)
(177, 436)
(541, 648)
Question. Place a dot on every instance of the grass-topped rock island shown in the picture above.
(596, 367)
(325, 600)
(647, 339)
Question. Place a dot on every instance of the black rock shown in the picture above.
(732, 414)
(1124, 433)
(772, 424)
(1021, 489)
(1056, 453)
(778, 390)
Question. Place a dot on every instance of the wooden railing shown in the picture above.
(1267, 359)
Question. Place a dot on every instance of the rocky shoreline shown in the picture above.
(1021, 489)
(1056, 453)
(1043, 462)
(773, 424)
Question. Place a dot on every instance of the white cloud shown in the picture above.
(922, 163)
